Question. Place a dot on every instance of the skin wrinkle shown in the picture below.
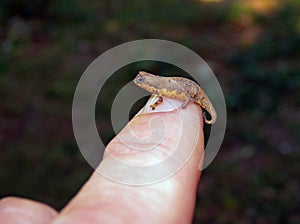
(164, 150)
(19, 215)
(126, 200)
(24, 211)
(119, 147)
(140, 158)
(144, 122)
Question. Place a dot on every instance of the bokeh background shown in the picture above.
(252, 46)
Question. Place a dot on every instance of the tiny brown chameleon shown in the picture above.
(177, 88)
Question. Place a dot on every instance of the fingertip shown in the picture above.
(157, 145)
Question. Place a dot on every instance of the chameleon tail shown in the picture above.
(208, 106)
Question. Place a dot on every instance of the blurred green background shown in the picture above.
(252, 46)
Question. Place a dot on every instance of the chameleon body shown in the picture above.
(177, 88)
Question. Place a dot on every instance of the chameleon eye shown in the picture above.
(140, 79)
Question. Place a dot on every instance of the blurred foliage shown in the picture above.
(253, 47)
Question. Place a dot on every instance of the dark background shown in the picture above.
(252, 46)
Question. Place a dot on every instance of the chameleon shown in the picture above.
(178, 88)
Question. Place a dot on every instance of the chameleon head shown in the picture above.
(142, 78)
(149, 82)
(139, 79)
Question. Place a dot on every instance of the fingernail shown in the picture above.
(166, 105)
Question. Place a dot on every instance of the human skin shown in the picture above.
(103, 201)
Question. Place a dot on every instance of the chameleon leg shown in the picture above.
(159, 101)
(185, 103)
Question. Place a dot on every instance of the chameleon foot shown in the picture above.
(159, 101)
